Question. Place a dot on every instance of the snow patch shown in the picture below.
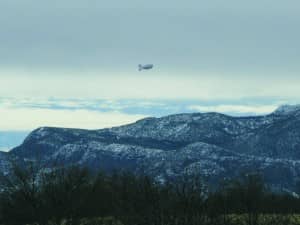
(287, 109)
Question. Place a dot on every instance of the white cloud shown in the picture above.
(237, 109)
(30, 113)
(31, 118)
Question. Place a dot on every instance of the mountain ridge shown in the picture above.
(214, 145)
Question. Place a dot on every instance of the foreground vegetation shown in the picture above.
(75, 196)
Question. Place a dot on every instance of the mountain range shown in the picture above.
(215, 146)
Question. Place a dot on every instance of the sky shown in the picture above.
(74, 63)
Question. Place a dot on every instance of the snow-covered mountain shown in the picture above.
(287, 109)
(214, 145)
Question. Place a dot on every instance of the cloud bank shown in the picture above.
(31, 118)
(29, 113)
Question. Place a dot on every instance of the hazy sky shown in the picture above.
(237, 57)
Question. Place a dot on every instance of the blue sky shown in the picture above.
(74, 63)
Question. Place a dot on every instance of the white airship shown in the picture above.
(145, 67)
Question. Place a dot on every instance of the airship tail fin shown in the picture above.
(140, 67)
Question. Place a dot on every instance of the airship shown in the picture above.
(145, 67)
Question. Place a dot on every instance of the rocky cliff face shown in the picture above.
(211, 144)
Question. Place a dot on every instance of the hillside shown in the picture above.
(214, 145)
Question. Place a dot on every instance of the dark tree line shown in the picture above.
(76, 196)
